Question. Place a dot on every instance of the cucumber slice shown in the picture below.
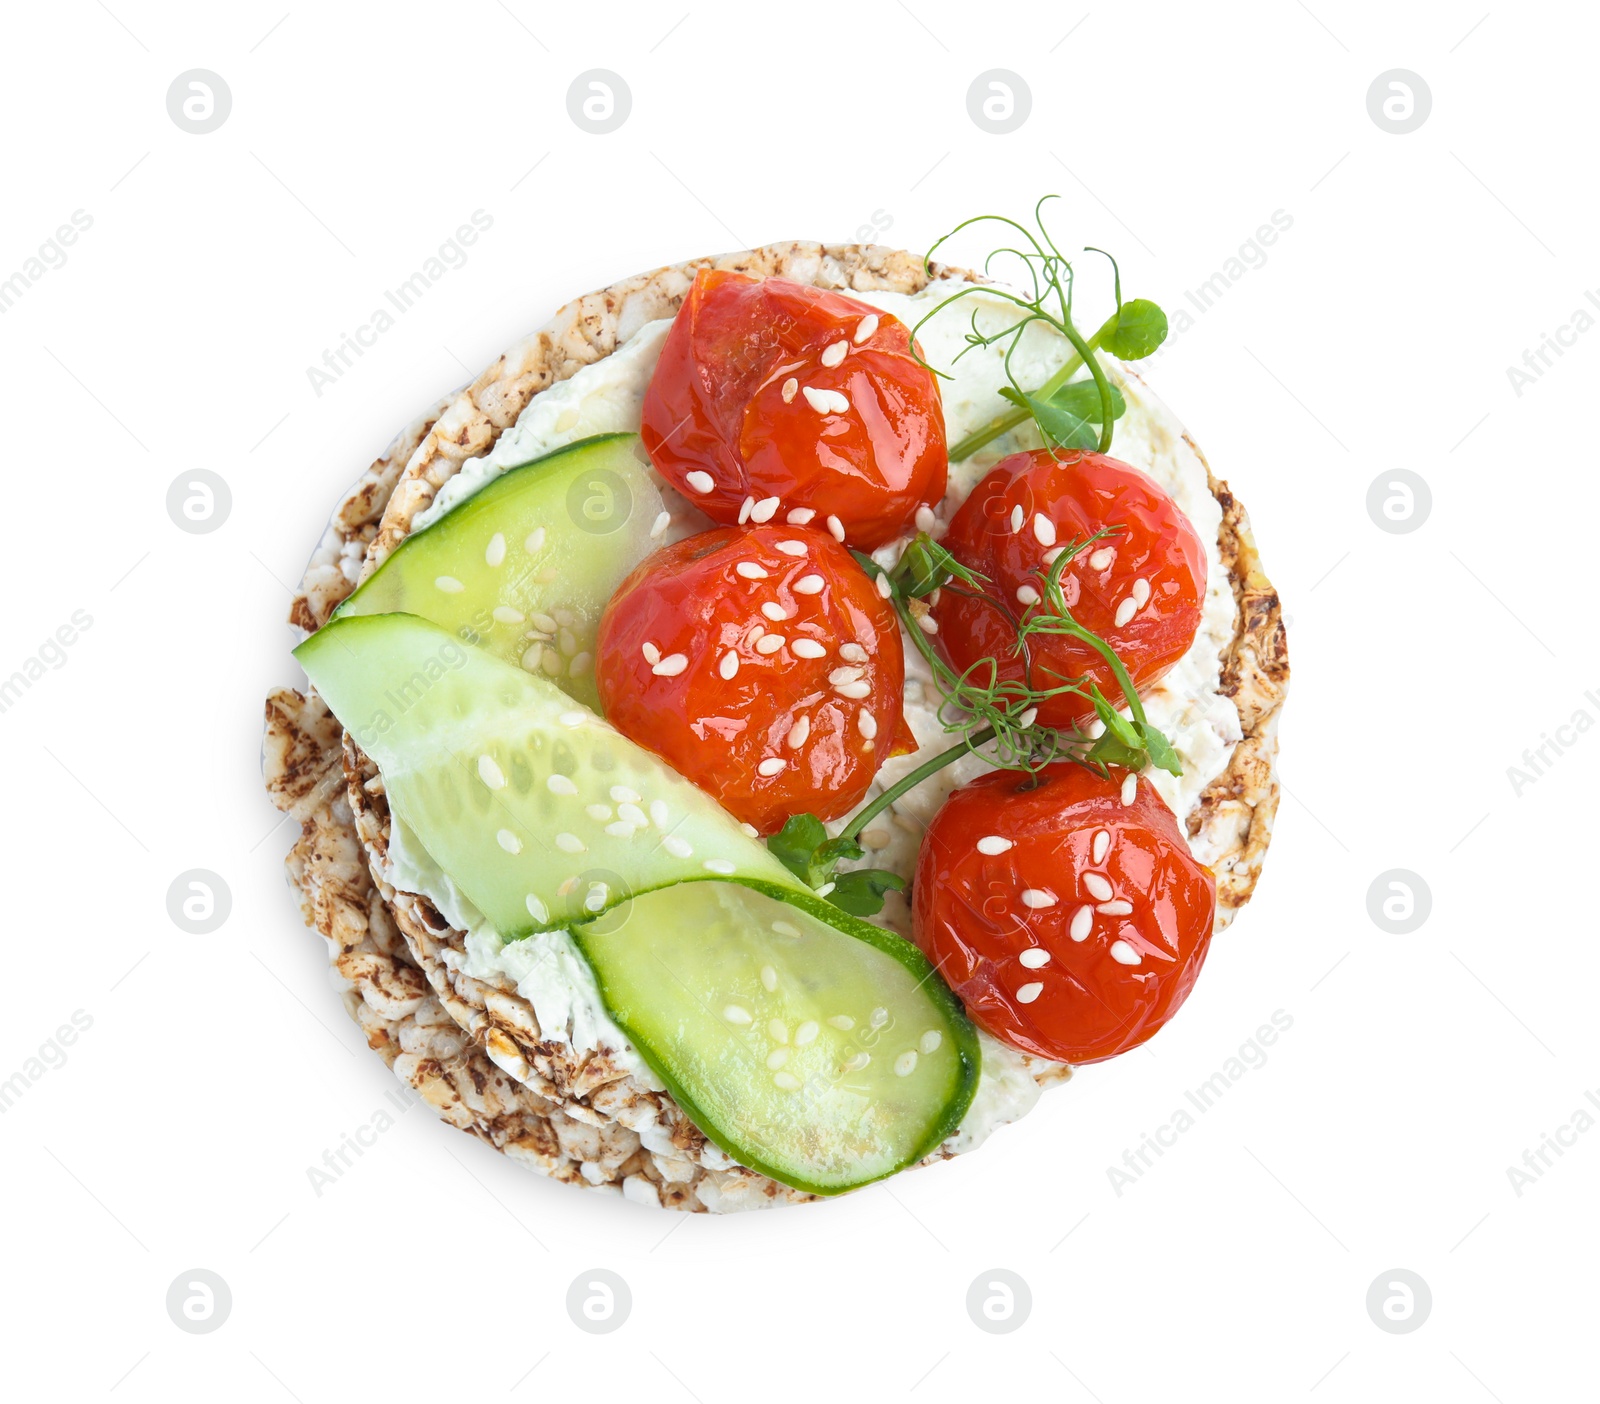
(537, 809)
(525, 566)
(809, 1045)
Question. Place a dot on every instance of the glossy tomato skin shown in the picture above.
(687, 668)
(993, 947)
(1075, 496)
(728, 400)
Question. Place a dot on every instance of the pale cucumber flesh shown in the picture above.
(525, 566)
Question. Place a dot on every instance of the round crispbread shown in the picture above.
(475, 1050)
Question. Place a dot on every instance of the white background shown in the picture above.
(1377, 336)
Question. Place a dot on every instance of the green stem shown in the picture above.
(916, 777)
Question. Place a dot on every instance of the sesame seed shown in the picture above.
(490, 773)
(659, 814)
(1018, 516)
(777, 1058)
(533, 543)
(1126, 610)
(1034, 957)
(596, 900)
(906, 1063)
(495, 552)
(570, 843)
(832, 355)
(1130, 788)
(449, 584)
(1027, 595)
(1102, 845)
(1044, 529)
(750, 570)
(622, 794)
(764, 509)
(837, 528)
(773, 765)
(1037, 898)
(1141, 592)
(801, 516)
(775, 612)
(1082, 920)
(1028, 993)
(536, 909)
(866, 327)
(825, 401)
(551, 663)
(809, 585)
(504, 614)
(883, 586)
(769, 978)
(1053, 555)
(786, 928)
(799, 734)
(1097, 887)
(877, 839)
(791, 387)
(777, 1030)
(855, 691)
(508, 841)
(792, 548)
(769, 643)
(634, 815)
(745, 508)
(677, 847)
(600, 812)
(1124, 954)
(928, 624)
(992, 845)
(718, 865)
(1117, 908)
(930, 1041)
(561, 785)
(1101, 560)
(699, 481)
(786, 1081)
(845, 675)
(662, 522)
(866, 724)
(853, 653)
(569, 642)
(1028, 716)
(926, 521)
(809, 648)
(671, 665)
(544, 623)
(729, 665)
(620, 829)
(652, 654)
(736, 1014)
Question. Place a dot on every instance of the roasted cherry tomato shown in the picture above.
(778, 402)
(1141, 590)
(761, 664)
(1071, 925)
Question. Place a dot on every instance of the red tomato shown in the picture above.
(1140, 590)
(775, 401)
(760, 663)
(1059, 941)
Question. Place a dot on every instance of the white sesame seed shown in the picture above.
(1082, 920)
(1097, 887)
(769, 643)
(490, 773)
(928, 624)
(763, 510)
(1125, 611)
(1101, 560)
(1117, 908)
(853, 653)
(671, 665)
(773, 765)
(1124, 954)
(930, 1041)
(866, 724)
(809, 648)
(786, 928)
(837, 528)
(745, 508)
(1053, 555)
(1028, 716)
(1102, 845)
(1130, 788)
(561, 785)
(736, 1014)
(809, 585)
(792, 548)
(634, 815)
(652, 654)
(720, 866)
(596, 900)
(600, 812)
(662, 522)
(1044, 529)
(845, 675)
(551, 663)
(777, 1030)
(866, 327)
(801, 516)
(992, 845)
(677, 847)
(504, 614)
(729, 665)
(906, 1063)
(699, 481)
(825, 401)
(1141, 592)
(855, 691)
(536, 909)
(569, 642)
(883, 586)
(832, 355)
(769, 978)
(1034, 957)
(449, 584)
(533, 543)
(926, 521)
(785, 1082)
(570, 843)
(508, 841)
(843, 1022)
(777, 1058)
(1018, 516)
(799, 734)
(495, 552)
(659, 815)
(1037, 898)
(791, 387)
(544, 623)
(1028, 993)
(750, 570)
(1027, 595)
(623, 794)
